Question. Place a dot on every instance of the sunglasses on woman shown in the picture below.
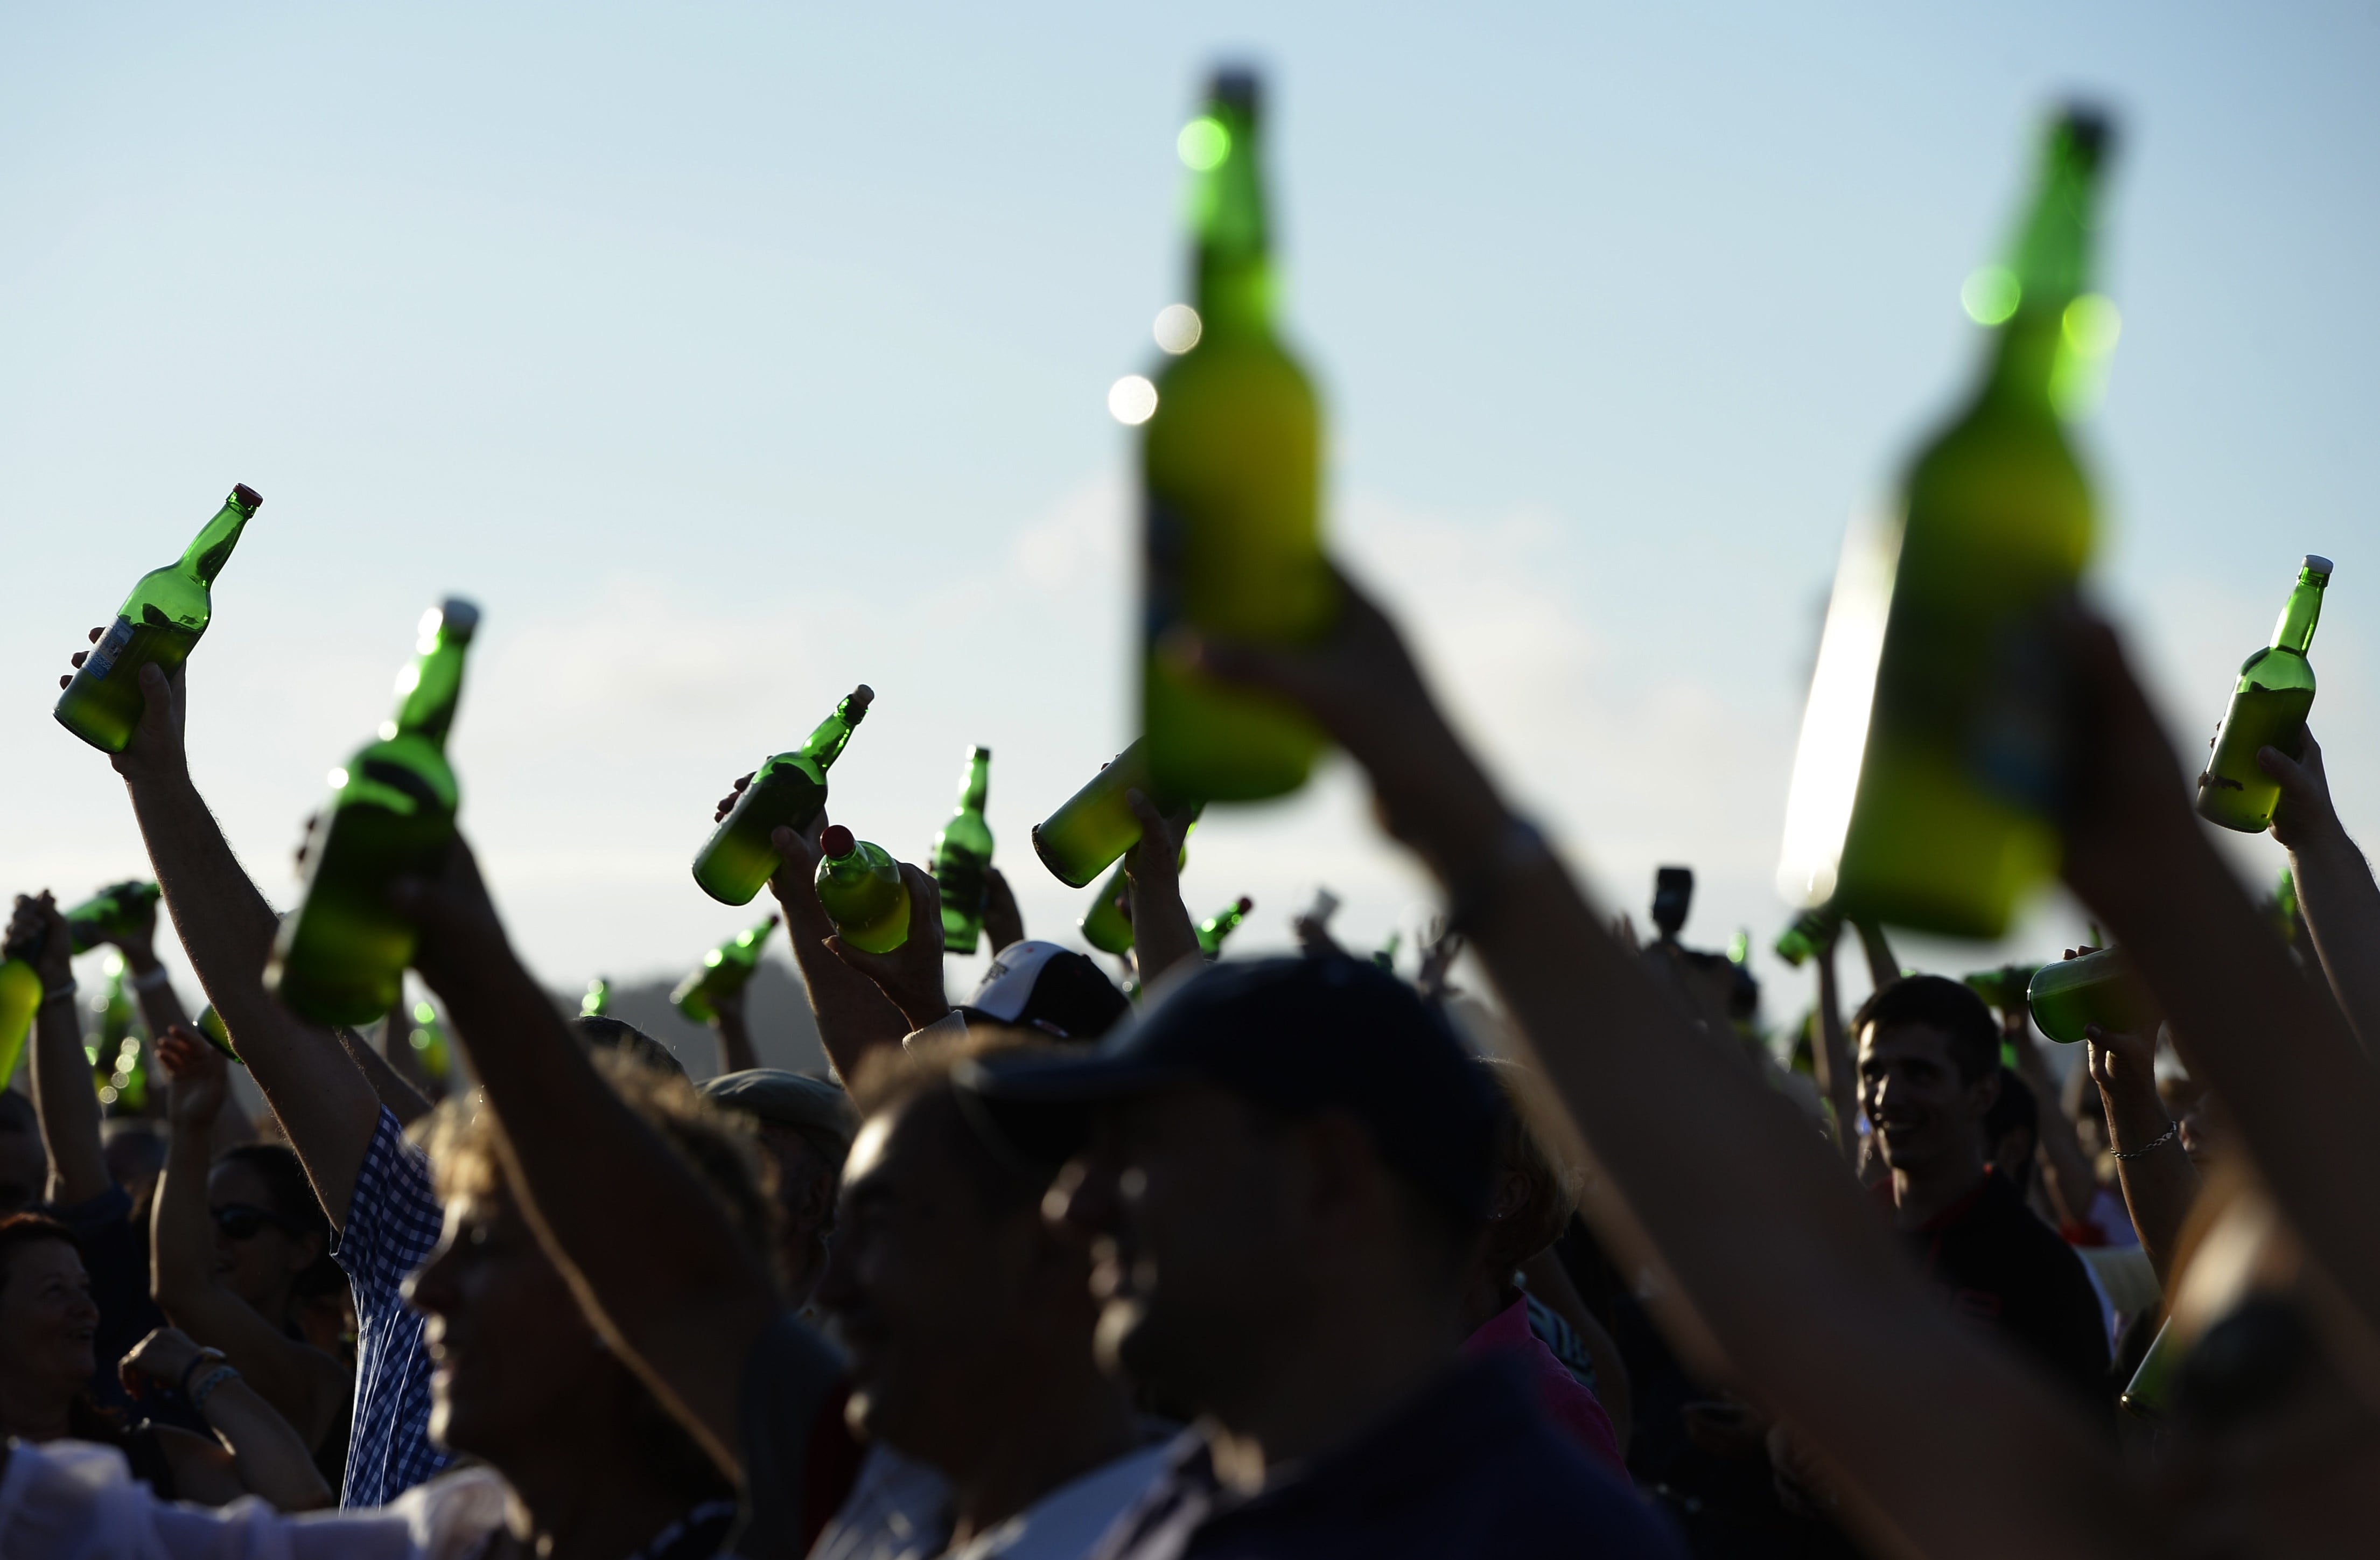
(242, 1221)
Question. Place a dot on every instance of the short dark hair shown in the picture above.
(604, 1032)
(2014, 1110)
(1940, 1004)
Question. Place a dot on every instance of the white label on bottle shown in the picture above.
(101, 660)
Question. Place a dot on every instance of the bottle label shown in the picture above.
(102, 658)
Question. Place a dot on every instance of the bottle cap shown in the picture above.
(2316, 564)
(458, 618)
(1247, 904)
(247, 497)
(835, 841)
(863, 696)
(1237, 85)
(2091, 128)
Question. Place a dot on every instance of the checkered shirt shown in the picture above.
(392, 1224)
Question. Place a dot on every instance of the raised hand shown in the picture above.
(37, 933)
(156, 747)
(2305, 816)
(1163, 935)
(200, 1076)
(1003, 923)
(911, 975)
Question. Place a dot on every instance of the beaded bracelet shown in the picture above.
(207, 1382)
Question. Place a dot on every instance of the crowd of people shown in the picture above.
(1281, 1257)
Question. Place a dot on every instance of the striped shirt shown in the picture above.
(392, 1225)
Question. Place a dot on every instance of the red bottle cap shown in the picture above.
(836, 842)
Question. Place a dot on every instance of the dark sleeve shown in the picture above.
(799, 1458)
(2066, 1328)
(116, 1256)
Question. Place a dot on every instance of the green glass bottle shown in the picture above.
(427, 1043)
(114, 1053)
(859, 886)
(1230, 475)
(119, 910)
(725, 969)
(2098, 988)
(787, 792)
(2003, 989)
(1810, 932)
(2288, 921)
(1107, 925)
(341, 954)
(1222, 924)
(2268, 710)
(1385, 955)
(21, 998)
(2150, 1394)
(160, 621)
(962, 858)
(216, 1033)
(1926, 782)
(1095, 826)
(597, 1003)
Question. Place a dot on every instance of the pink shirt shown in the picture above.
(1566, 1402)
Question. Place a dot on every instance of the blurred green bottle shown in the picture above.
(963, 859)
(1222, 924)
(1385, 955)
(117, 1068)
(859, 885)
(2288, 921)
(427, 1043)
(1928, 779)
(2268, 710)
(160, 621)
(2150, 1394)
(341, 954)
(1095, 826)
(725, 971)
(21, 998)
(2003, 989)
(598, 999)
(788, 791)
(216, 1033)
(1811, 930)
(1107, 925)
(2098, 988)
(119, 910)
(1230, 475)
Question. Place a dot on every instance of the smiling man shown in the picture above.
(1929, 1069)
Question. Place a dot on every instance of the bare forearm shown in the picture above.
(272, 1459)
(225, 925)
(1162, 935)
(853, 1014)
(736, 1053)
(181, 1246)
(67, 1103)
(2072, 1182)
(1831, 1058)
(390, 1089)
(2341, 905)
(161, 1010)
(1883, 969)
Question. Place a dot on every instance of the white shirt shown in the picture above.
(1068, 1522)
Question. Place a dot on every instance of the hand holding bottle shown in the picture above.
(37, 933)
(2305, 816)
(156, 748)
(911, 975)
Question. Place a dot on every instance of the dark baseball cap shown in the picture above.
(1298, 1036)
(1044, 986)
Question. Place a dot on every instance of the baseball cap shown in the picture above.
(809, 1106)
(1043, 986)
(1299, 1036)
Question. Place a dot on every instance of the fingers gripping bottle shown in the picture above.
(1230, 477)
(789, 792)
(341, 954)
(859, 885)
(160, 621)
(2268, 710)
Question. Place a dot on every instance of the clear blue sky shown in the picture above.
(729, 355)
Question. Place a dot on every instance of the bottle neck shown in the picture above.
(212, 547)
(976, 788)
(1233, 254)
(430, 690)
(826, 744)
(2294, 632)
(2050, 268)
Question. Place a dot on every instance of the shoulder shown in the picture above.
(394, 1216)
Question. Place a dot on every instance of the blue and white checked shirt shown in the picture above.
(392, 1224)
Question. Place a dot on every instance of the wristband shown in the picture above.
(58, 993)
(204, 1355)
(2172, 1130)
(1518, 846)
(150, 979)
(207, 1382)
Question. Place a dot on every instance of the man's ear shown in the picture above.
(1982, 1094)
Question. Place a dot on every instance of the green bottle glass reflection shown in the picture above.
(21, 998)
(1107, 925)
(1927, 778)
(962, 858)
(2288, 921)
(789, 792)
(2150, 1394)
(1095, 826)
(2268, 710)
(2098, 988)
(160, 621)
(341, 954)
(1385, 955)
(117, 911)
(1810, 932)
(725, 971)
(1222, 924)
(1230, 475)
(427, 1043)
(597, 1003)
(216, 1033)
(859, 886)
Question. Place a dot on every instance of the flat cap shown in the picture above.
(788, 1099)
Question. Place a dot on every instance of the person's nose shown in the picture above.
(431, 1287)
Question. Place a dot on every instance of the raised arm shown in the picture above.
(63, 1096)
(2073, 1183)
(255, 1451)
(2336, 894)
(2303, 1093)
(1830, 1052)
(301, 1384)
(326, 1106)
(2160, 1183)
(1163, 935)
(685, 1300)
(734, 1029)
(1963, 1450)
